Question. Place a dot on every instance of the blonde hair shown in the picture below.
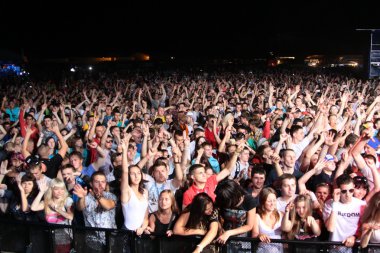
(296, 219)
(48, 197)
(372, 211)
(226, 118)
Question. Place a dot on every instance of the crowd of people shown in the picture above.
(290, 154)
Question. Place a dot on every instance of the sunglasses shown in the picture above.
(108, 141)
(345, 191)
(360, 179)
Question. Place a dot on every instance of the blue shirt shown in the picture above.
(88, 171)
(13, 113)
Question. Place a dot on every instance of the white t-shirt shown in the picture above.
(239, 169)
(154, 190)
(281, 203)
(348, 216)
(299, 147)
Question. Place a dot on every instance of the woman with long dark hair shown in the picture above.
(20, 204)
(237, 209)
(134, 198)
(199, 218)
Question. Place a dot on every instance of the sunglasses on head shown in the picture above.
(345, 191)
(360, 179)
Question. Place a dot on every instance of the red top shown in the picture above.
(209, 188)
(35, 135)
(209, 136)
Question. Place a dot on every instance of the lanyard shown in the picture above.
(237, 171)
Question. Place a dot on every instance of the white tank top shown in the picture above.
(274, 233)
(134, 211)
(375, 237)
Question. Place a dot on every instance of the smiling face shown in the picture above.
(258, 181)
(301, 209)
(270, 203)
(58, 192)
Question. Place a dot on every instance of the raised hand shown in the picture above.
(319, 167)
(4, 167)
(329, 139)
(336, 195)
(43, 186)
(80, 191)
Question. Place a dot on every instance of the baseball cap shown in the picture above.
(329, 157)
(34, 159)
(374, 143)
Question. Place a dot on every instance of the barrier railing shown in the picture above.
(40, 238)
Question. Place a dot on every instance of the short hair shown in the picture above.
(294, 129)
(114, 156)
(28, 115)
(255, 122)
(258, 169)
(297, 120)
(344, 179)
(48, 117)
(210, 116)
(350, 139)
(285, 150)
(97, 173)
(287, 176)
(67, 166)
(194, 167)
(198, 130)
(76, 153)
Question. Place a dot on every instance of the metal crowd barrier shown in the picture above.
(40, 238)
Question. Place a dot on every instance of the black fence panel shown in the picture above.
(40, 238)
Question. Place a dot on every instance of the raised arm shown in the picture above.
(315, 171)
(24, 149)
(38, 204)
(64, 147)
(124, 187)
(231, 163)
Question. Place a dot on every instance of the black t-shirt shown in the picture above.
(237, 217)
(52, 165)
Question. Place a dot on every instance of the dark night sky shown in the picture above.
(185, 28)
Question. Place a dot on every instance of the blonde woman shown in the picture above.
(371, 223)
(298, 223)
(58, 207)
